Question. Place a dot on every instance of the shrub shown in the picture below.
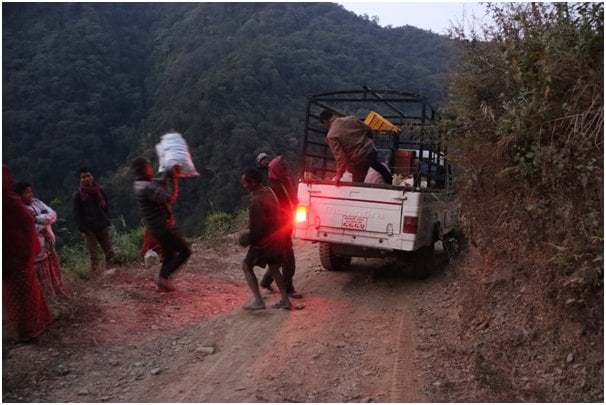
(527, 115)
(75, 259)
(218, 223)
(127, 245)
(240, 221)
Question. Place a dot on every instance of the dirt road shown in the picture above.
(117, 340)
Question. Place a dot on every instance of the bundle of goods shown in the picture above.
(151, 258)
(173, 150)
(404, 162)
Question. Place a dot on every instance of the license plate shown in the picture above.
(351, 222)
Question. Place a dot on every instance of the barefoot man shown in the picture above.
(265, 239)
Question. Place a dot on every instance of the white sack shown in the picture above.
(173, 150)
(374, 177)
(151, 258)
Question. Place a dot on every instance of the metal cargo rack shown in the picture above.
(412, 114)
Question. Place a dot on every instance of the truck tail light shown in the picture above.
(410, 225)
(301, 214)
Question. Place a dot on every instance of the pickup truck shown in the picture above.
(402, 220)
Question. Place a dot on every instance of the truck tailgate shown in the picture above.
(353, 207)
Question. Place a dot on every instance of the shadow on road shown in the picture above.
(364, 271)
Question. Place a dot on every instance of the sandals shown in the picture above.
(294, 294)
(165, 285)
(282, 305)
(254, 306)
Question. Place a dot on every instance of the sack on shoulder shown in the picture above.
(173, 150)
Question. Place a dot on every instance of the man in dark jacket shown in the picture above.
(90, 208)
(154, 198)
(265, 239)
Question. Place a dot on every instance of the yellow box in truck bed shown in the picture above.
(376, 121)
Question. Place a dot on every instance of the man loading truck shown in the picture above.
(350, 141)
(401, 220)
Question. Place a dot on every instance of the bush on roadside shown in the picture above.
(527, 118)
(219, 223)
(75, 259)
(127, 245)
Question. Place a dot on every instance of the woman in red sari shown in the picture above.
(24, 307)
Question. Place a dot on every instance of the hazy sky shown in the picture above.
(434, 16)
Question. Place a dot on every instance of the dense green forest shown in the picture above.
(95, 84)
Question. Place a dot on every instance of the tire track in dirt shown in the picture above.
(405, 387)
(392, 293)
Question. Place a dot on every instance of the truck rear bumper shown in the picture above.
(358, 240)
(361, 251)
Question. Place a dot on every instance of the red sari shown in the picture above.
(24, 307)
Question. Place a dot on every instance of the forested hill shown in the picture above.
(95, 84)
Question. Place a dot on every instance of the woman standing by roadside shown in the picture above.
(23, 304)
(46, 263)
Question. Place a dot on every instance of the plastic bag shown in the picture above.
(173, 150)
(151, 258)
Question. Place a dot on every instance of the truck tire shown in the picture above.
(330, 261)
(451, 242)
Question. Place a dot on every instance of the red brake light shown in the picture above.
(301, 214)
(410, 225)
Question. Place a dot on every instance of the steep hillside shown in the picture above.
(529, 122)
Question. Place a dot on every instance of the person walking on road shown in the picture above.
(154, 198)
(281, 184)
(266, 243)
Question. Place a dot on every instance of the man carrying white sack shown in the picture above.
(155, 199)
(173, 150)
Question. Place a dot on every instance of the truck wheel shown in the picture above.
(330, 261)
(451, 243)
